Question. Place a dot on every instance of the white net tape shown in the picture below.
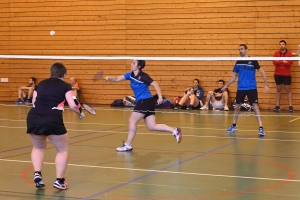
(40, 57)
(142, 58)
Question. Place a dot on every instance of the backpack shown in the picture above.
(117, 102)
(129, 101)
(166, 103)
(176, 100)
(245, 105)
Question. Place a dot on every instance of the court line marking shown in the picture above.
(164, 134)
(171, 111)
(159, 171)
(294, 119)
(185, 127)
(291, 177)
(156, 172)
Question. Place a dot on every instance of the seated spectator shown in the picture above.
(217, 98)
(75, 87)
(26, 92)
(191, 98)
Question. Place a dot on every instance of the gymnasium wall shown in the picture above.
(179, 28)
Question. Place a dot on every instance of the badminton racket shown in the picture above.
(98, 76)
(89, 109)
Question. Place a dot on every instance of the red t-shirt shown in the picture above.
(283, 67)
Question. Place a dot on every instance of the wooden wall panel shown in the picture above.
(4, 27)
(145, 28)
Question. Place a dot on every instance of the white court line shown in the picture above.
(183, 127)
(159, 171)
(294, 119)
(200, 113)
(84, 123)
(164, 134)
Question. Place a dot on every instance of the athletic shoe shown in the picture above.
(204, 108)
(19, 101)
(177, 134)
(27, 101)
(124, 148)
(276, 109)
(189, 107)
(38, 180)
(231, 129)
(291, 109)
(226, 108)
(60, 186)
(177, 107)
(261, 132)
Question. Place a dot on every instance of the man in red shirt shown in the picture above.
(282, 75)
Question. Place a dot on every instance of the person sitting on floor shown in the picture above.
(75, 87)
(192, 97)
(217, 98)
(26, 92)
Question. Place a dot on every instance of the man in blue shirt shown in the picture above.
(245, 71)
(145, 105)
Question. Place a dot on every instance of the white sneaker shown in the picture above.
(125, 147)
(60, 186)
(38, 180)
(226, 108)
(177, 134)
(204, 108)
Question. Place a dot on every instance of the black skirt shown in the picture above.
(45, 124)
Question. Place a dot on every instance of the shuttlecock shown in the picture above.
(52, 33)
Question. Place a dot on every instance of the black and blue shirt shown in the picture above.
(140, 84)
(246, 74)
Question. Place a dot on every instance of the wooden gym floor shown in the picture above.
(207, 164)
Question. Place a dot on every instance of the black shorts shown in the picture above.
(197, 107)
(251, 95)
(145, 106)
(285, 80)
(45, 124)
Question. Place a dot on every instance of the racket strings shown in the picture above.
(98, 76)
(89, 109)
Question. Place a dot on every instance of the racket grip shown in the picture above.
(78, 104)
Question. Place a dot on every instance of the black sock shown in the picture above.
(234, 125)
(37, 172)
(261, 127)
(61, 180)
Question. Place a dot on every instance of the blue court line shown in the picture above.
(30, 146)
(162, 169)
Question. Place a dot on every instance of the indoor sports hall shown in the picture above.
(180, 40)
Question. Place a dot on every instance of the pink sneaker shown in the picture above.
(177, 134)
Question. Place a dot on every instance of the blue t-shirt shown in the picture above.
(246, 74)
(197, 92)
(139, 85)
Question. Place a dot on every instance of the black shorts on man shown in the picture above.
(251, 95)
